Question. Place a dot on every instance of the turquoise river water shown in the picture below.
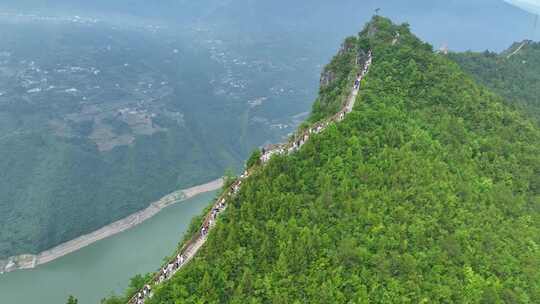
(106, 266)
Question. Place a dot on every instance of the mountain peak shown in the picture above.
(425, 192)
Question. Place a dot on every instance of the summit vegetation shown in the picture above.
(514, 74)
(428, 192)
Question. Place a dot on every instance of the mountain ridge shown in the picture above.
(513, 73)
(427, 192)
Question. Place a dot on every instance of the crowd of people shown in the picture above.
(171, 267)
(294, 145)
(302, 138)
(183, 256)
(141, 295)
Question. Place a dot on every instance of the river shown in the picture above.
(106, 266)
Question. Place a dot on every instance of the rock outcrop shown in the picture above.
(327, 77)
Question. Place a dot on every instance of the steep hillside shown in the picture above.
(428, 192)
(90, 135)
(98, 119)
(514, 74)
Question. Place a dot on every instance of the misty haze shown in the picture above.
(245, 151)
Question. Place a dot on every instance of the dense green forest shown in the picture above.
(515, 76)
(428, 192)
(70, 163)
(226, 76)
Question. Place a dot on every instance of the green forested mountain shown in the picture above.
(428, 192)
(106, 106)
(514, 74)
(97, 122)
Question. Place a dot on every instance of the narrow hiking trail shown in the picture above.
(524, 43)
(190, 249)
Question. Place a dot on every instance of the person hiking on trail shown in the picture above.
(181, 259)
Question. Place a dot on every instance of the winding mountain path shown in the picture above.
(524, 43)
(190, 249)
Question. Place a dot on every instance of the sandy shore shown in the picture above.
(28, 261)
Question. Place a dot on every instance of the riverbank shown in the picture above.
(29, 261)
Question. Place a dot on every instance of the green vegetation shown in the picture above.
(72, 300)
(135, 284)
(516, 78)
(337, 75)
(72, 162)
(428, 192)
(254, 159)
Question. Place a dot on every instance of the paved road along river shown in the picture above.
(105, 266)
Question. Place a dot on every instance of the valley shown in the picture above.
(106, 266)
(30, 261)
(104, 120)
(231, 152)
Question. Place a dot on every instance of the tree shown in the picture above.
(72, 300)
(254, 159)
(228, 178)
(429, 173)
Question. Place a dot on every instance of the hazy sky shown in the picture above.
(532, 6)
(460, 24)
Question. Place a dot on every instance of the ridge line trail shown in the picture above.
(517, 50)
(192, 247)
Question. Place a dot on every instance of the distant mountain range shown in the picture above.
(461, 24)
(98, 120)
(532, 6)
(514, 73)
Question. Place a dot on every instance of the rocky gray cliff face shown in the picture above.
(327, 78)
(347, 46)
(361, 57)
